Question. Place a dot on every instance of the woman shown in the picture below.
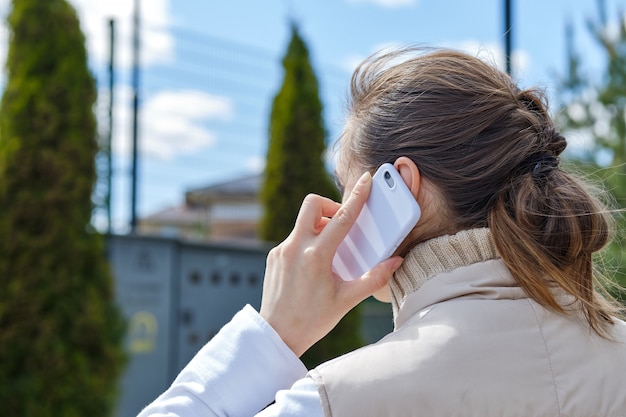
(495, 305)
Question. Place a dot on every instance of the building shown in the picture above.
(225, 211)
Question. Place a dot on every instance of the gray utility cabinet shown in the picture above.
(175, 296)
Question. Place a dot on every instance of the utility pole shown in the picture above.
(508, 35)
(109, 139)
(135, 86)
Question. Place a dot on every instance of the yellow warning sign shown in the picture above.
(142, 332)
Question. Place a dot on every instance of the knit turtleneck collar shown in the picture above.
(441, 254)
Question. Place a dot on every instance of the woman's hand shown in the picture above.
(303, 299)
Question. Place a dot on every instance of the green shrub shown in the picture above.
(60, 331)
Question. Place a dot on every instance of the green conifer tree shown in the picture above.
(60, 331)
(295, 158)
(295, 167)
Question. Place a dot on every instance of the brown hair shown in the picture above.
(491, 151)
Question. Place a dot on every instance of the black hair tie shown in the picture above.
(542, 164)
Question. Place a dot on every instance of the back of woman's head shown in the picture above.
(492, 152)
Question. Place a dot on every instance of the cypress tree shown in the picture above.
(60, 331)
(295, 157)
(295, 168)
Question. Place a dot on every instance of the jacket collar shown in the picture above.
(455, 259)
(487, 280)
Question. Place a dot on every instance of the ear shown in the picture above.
(409, 173)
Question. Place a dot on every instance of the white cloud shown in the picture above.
(4, 39)
(387, 3)
(190, 103)
(157, 42)
(351, 62)
(255, 164)
(171, 122)
(157, 46)
(493, 53)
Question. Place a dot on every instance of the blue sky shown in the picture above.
(342, 31)
(187, 119)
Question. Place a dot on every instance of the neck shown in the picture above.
(438, 255)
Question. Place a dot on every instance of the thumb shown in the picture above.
(373, 280)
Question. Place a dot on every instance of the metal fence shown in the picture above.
(204, 108)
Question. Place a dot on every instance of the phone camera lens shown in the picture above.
(388, 179)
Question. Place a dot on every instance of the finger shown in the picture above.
(322, 224)
(312, 209)
(344, 218)
(372, 281)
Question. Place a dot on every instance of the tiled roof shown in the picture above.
(243, 188)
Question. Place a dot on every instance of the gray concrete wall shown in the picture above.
(176, 295)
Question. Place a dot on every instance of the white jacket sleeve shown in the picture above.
(302, 400)
(238, 373)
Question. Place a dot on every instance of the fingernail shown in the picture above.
(365, 178)
(397, 261)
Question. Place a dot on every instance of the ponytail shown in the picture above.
(546, 228)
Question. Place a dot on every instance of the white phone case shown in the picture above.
(388, 216)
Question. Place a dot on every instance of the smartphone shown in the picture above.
(387, 217)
